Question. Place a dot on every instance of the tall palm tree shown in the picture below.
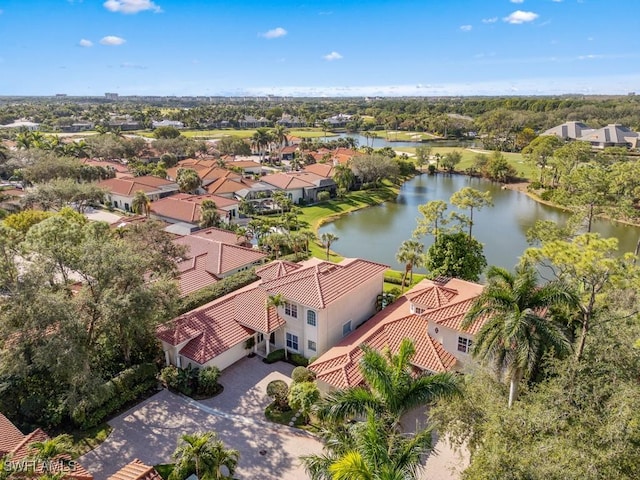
(519, 327)
(391, 388)
(188, 180)
(209, 216)
(279, 134)
(308, 236)
(327, 239)
(411, 253)
(326, 126)
(141, 203)
(369, 451)
(344, 177)
(205, 455)
(261, 139)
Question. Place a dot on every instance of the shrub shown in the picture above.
(302, 396)
(298, 359)
(169, 376)
(275, 356)
(534, 186)
(217, 290)
(279, 391)
(302, 374)
(431, 169)
(188, 380)
(547, 195)
(324, 196)
(114, 394)
(208, 380)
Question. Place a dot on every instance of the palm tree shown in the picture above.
(411, 253)
(56, 448)
(327, 239)
(279, 134)
(369, 451)
(204, 455)
(519, 327)
(261, 139)
(308, 236)
(209, 216)
(188, 180)
(326, 126)
(276, 301)
(141, 203)
(343, 176)
(391, 388)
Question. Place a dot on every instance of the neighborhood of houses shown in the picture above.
(328, 310)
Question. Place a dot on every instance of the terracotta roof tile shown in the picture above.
(136, 470)
(10, 436)
(127, 186)
(186, 208)
(219, 235)
(276, 269)
(325, 170)
(446, 305)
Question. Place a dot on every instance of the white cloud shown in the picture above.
(112, 40)
(559, 1)
(85, 43)
(517, 1)
(274, 33)
(332, 56)
(519, 17)
(490, 20)
(466, 28)
(131, 6)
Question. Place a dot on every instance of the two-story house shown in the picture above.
(430, 314)
(322, 303)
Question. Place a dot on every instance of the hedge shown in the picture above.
(393, 280)
(217, 290)
(114, 394)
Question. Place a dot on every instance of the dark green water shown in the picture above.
(375, 233)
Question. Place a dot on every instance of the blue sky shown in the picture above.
(341, 48)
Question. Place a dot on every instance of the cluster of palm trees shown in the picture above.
(204, 455)
(362, 426)
(265, 139)
(51, 143)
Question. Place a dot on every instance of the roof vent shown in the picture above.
(441, 280)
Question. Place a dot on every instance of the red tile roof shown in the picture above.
(325, 170)
(445, 305)
(322, 283)
(206, 261)
(186, 207)
(10, 436)
(136, 470)
(127, 186)
(229, 185)
(276, 269)
(292, 180)
(18, 446)
(227, 321)
(220, 235)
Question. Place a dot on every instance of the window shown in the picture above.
(291, 309)
(259, 338)
(311, 345)
(311, 318)
(346, 328)
(464, 344)
(418, 310)
(292, 341)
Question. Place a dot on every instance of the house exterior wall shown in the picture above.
(357, 307)
(227, 358)
(449, 340)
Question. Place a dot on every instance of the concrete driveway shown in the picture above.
(150, 431)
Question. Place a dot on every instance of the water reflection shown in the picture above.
(377, 232)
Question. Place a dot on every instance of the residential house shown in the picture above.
(325, 170)
(246, 164)
(23, 125)
(323, 302)
(569, 131)
(291, 121)
(288, 152)
(430, 314)
(301, 186)
(339, 120)
(15, 453)
(613, 135)
(208, 260)
(249, 121)
(136, 470)
(167, 123)
(186, 208)
(121, 191)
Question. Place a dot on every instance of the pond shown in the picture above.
(375, 233)
(383, 142)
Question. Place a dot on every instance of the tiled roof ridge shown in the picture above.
(27, 439)
(432, 343)
(319, 287)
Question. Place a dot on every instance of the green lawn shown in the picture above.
(243, 133)
(84, 441)
(523, 168)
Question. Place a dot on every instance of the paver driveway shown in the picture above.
(150, 430)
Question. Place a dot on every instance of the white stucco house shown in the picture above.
(323, 303)
(430, 314)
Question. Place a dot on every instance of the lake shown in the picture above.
(375, 233)
(382, 142)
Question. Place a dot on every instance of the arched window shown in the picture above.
(311, 318)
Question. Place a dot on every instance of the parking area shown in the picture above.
(150, 430)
